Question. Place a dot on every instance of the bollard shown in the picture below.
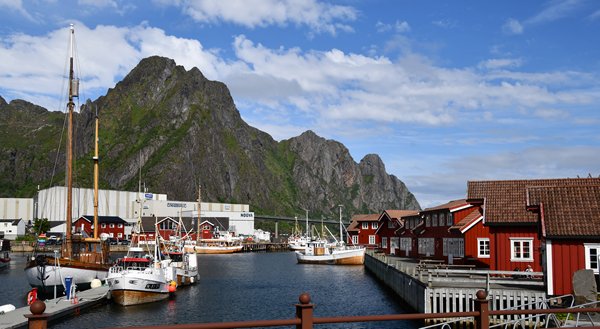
(482, 321)
(37, 319)
(304, 311)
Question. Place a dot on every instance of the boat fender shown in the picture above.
(32, 296)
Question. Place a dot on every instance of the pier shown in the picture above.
(57, 308)
(430, 287)
(265, 246)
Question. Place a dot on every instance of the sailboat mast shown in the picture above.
(72, 93)
(96, 159)
(199, 206)
(341, 235)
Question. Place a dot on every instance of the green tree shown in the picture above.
(41, 225)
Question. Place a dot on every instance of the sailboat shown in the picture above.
(83, 259)
(320, 252)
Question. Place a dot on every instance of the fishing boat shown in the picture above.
(320, 252)
(84, 259)
(224, 243)
(181, 265)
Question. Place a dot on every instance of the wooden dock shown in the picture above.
(265, 246)
(57, 308)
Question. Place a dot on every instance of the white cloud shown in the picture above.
(497, 63)
(512, 26)
(551, 114)
(555, 10)
(16, 5)
(595, 15)
(320, 17)
(98, 3)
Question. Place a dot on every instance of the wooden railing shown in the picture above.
(305, 319)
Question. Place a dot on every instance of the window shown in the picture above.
(434, 220)
(371, 239)
(393, 245)
(449, 219)
(102, 225)
(427, 221)
(483, 247)
(406, 244)
(112, 225)
(426, 246)
(454, 247)
(442, 219)
(592, 251)
(374, 225)
(384, 242)
(120, 225)
(111, 235)
(120, 235)
(521, 249)
(391, 224)
(365, 225)
(355, 239)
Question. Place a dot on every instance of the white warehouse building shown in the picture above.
(51, 204)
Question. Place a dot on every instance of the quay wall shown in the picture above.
(411, 291)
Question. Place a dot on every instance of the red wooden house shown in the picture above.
(569, 218)
(361, 230)
(519, 234)
(112, 225)
(407, 236)
(435, 239)
(389, 222)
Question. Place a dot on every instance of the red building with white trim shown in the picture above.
(362, 228)
(389, 222)
(112, 225)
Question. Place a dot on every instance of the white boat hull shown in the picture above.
(335, 257)
(133, 286)
(47, 277)
(215, 249)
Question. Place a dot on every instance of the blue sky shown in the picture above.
(444, 91)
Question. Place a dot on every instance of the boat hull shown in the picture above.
(47, 277)
(344, 257)
(216, 249)
(133, 287)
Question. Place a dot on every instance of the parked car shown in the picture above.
(124, 242)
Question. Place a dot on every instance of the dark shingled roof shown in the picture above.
(449, 205)
(568, 211)
(105, 219)
(506, 200)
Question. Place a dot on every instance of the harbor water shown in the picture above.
(239, 287)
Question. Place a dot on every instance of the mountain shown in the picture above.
(183, 130)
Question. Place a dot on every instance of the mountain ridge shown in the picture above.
(182, 130)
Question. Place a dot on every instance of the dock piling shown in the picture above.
(37, 319)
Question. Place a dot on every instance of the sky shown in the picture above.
(444, 91)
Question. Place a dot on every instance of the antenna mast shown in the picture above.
(73, 92)
(96, 159)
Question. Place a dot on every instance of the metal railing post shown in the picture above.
(482, 320)
(37, 319)
(304, 311)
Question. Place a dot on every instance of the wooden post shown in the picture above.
(482, 321)
(304, 311)
(37, 319)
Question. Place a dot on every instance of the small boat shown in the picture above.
(322, 252)
(223, 244)
(137, 279)
(181, 265)
(4, 260)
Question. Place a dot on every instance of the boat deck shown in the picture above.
(57, 308)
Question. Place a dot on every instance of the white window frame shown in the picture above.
(394, 244)
(589, 265)
(103, 225)
(372, 239)
(112, 225)
(374, 225)
(391, 224)
(384, 241)
(481, 243)
(355, 239)
(406, 244)
(427, 246)
(428, 221)
(120, 225)
(120, 235)
(449, 219)
(365, 225)
(434, 220)
(520, 242)
(454, 246)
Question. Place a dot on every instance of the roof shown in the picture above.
(353, 226)
(397, 214)
(568, 211)
(105, 219)
(449, 205)
(468, 220)
(12, 221)
(505, 201)
(366, 218)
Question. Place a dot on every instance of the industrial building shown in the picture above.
(50, 203)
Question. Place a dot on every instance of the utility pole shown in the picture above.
(341, 235)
